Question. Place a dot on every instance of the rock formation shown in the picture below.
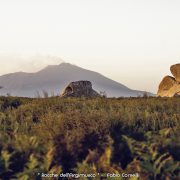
(79, 89)
(175, 70)
(170, 86)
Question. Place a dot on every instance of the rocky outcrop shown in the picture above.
(79, 89)
(170, 86)
(175, 70)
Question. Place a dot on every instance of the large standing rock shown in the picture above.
(170, 86)
(175, 70)
(79, 89)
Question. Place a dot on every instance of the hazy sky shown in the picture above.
(131, 41)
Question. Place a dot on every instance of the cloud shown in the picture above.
(37, 62)
(13, 63)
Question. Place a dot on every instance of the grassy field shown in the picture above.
(54, 135)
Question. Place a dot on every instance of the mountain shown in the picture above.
(54, 78)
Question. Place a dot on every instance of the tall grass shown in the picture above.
(89, 136)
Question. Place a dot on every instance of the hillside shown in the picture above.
(54, 78)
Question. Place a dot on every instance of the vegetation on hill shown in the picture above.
(56, 135)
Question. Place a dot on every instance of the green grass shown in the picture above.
(89, 136)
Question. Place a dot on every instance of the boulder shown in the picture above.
(175, 70)
(79, 89)
(167, 83)
(170, 86)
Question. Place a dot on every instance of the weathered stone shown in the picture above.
(175, 70)
(169, 87)
(167, 83)
(79, 89)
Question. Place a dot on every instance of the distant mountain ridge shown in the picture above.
(54, 78)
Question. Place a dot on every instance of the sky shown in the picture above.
(131, 41)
